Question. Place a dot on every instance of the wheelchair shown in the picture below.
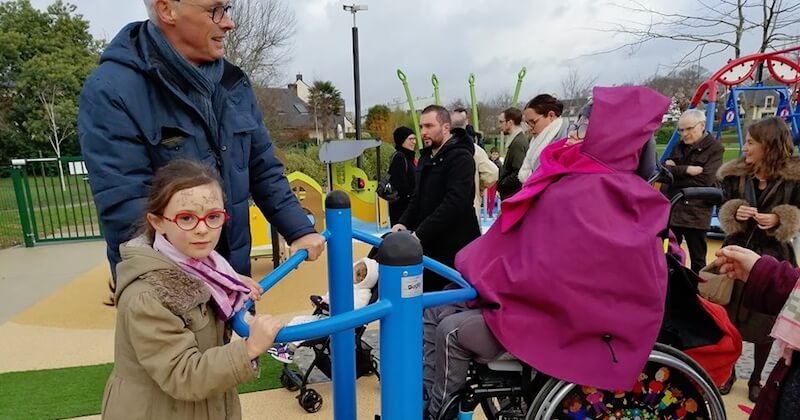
(670, 386)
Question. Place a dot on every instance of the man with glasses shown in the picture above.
(163, 91)
(693, 163)
(510, 120)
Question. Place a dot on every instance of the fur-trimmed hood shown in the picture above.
(177, 291)
(738, 167)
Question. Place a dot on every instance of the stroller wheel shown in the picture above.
(287, 383)
(310, 400)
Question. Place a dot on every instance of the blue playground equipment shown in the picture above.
(399, 311)
(782, 68)
(505, 389)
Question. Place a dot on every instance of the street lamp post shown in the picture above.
(353, 9)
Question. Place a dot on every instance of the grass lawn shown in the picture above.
(78, 391)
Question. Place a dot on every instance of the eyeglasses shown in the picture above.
(579, 128)
(682, 130)
(188, 221)
(217, 12)
(532, 122)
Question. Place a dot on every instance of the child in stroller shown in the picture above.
(365, 291)
(365, 280)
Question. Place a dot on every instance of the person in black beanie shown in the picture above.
(401, 171)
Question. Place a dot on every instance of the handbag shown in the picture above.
(716, 287)
(385, 189)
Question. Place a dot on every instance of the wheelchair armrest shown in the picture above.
(709, 194)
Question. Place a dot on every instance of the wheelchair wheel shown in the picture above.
(670, 386)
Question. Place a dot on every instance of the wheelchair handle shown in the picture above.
(710, 194)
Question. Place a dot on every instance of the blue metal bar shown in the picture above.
(271, 279)
(366, 238)
(401, 342)
(323, 327)
(429, 263)
(445, 297)
(338, 220)
(711, 112)
(445, 271)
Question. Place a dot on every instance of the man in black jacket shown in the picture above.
(508, 184)
(441, 212)
(693, 163)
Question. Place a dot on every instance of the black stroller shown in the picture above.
(366, 364)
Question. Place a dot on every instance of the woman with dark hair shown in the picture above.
(401, 171)
(762, 192)
(543, 116)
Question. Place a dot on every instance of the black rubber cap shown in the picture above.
(399, 249)
(337, 200)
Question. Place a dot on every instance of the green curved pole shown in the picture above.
(520, 76)
(436, 97)
(414, 116)
(474, 102)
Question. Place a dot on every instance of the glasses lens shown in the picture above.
(215, 219)
(186, 221)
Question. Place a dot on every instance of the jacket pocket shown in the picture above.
(171, 142)
(243, 129)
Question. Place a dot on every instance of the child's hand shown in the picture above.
(255, 289)
(263, 330)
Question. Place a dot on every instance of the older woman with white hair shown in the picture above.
(693, 163)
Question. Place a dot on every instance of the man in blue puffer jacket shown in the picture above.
(163, 92)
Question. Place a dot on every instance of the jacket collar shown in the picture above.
(738, 167)
(176, 290)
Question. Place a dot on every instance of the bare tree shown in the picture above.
(260, 42)
(577, 85)
(679, 85)
(716, 26)
(59, 129)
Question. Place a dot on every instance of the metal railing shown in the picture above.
(54, 201)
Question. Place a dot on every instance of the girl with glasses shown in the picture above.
(173, 357)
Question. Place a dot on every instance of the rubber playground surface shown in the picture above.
(52, 316)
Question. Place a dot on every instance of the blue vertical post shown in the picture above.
(400, 259)
(711, 113)
(339, 223)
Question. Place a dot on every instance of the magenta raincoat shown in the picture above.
(572, 278)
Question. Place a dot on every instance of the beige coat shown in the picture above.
(486, 173)
(169, 357)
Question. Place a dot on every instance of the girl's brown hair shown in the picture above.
(773, 134)
(175, 176)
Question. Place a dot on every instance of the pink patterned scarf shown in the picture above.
(787, 327)
(227, 290)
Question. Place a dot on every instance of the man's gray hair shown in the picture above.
(694, 116)
(458, 119)
(150, 5)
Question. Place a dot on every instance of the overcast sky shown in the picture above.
(452, 38)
